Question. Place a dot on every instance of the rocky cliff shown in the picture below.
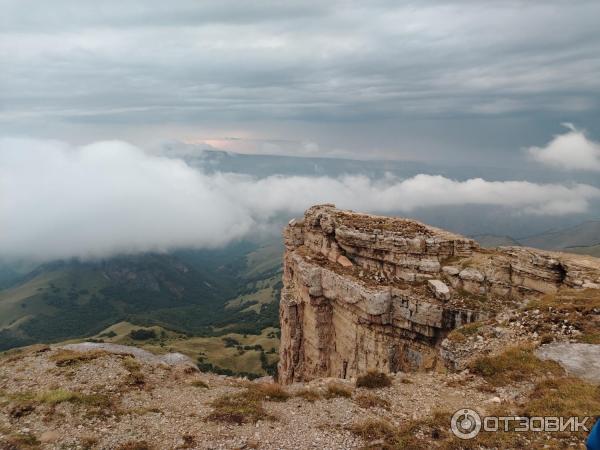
(367, 292)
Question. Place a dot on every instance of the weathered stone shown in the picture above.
(450, 270)
(471, 274)
(439, 289)
(344, 262)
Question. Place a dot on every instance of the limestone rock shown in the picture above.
(439, 289)
(471, 274)
(344, 262)
(365, 292)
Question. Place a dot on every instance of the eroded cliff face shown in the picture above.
(367, 292)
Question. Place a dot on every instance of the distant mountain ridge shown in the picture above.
(583, 239)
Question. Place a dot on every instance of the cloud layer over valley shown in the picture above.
(60, 201)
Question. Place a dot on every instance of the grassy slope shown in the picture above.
(212, 349)
(221, 292)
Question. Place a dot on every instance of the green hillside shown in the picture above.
(192, 292)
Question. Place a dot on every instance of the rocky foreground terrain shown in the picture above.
(388, 328)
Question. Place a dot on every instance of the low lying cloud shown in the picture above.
(60, 201)
(571, 150)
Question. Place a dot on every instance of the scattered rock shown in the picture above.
(344, 262)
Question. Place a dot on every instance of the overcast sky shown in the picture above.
(445, 81)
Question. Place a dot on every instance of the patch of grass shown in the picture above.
(88, 442)
(590, 338)
(562, 397)
(134, 445)
(336, 390)
(135, 377)
(462, 333)
(435, 427)
(368, 400)
(580, 300)
(56, 396)
(373, 380)
(566, 396)
(546, 338)
(310, 395)
(21, 441)
(378, 430)
(131, 364)
(199, 384)
(64, 358)
(141, 411)
(513, 365)
(20, 353)
(268, 391)
(575, 306)
(25, 402)
(238, 408)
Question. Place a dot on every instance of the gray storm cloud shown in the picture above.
(385, 79)
(60, 201)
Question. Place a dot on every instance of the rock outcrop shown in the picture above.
(368, 292)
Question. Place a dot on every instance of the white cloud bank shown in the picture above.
(59, 201)
(571, 150)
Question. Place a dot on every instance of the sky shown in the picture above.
(444, 81)
(90, 92)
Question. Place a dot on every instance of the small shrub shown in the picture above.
(336, 390)
(135, 377)
(22, 441)
(199, 384)
(131, 364)
(373, 380)
(188, 441)
(133, 445)
(269, 391)
(310, 395)
(239, 408)
(142, 335)
(376, 430)
(21, 409)
(368, 400)
(88, 442)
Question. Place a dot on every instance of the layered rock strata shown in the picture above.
(369, 292)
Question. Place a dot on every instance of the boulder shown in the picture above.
(439, 289)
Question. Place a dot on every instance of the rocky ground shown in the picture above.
(56, 398)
